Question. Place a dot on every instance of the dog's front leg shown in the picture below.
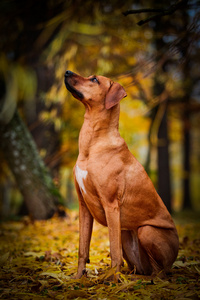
(85, 232)
(114, 227)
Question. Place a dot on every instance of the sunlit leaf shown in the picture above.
(40, 259)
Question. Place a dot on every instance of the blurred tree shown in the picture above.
(51, 37)
(30, 28)
(32, 177)
(160, 91)
(188, 46)
(174, 38)
(187, 92)
(22, 25)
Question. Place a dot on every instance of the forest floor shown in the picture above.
(38, 260)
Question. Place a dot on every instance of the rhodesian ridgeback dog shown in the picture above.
(113, 187)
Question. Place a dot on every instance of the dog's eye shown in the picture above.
(94, 79)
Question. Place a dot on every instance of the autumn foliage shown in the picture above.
(38, 261)
(158, 65)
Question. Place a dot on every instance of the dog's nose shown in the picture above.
(68, 73)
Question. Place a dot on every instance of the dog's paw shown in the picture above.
(80, 274)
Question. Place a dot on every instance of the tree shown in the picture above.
(19, 50)
(57, 36)
(170, 60)
(32, 178)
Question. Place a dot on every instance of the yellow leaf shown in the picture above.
(50, 274)
(197, 269)
(34, 254)
(77, 294)
(3, 259)
(108, 274)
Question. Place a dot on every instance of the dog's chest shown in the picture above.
(81, 176)
(91, 199)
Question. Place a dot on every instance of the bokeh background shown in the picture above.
(157, 62)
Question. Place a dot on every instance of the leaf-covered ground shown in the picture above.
(38, 260)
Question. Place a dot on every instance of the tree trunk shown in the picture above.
(32, 178)
(160, 125)
(164, 185)
(186, 161)
(187, 88)
(160, 91)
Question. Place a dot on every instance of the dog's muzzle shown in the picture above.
(71, 89)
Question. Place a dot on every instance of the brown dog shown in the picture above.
(114, 188)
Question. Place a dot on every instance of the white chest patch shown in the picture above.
(80, 175)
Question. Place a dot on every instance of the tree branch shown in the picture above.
(160, 12)
(136, 11)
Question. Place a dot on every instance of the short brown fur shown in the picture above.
(116, 190)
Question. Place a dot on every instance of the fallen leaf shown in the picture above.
(3, 259)
(39, 259)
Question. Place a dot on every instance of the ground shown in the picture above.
(38, 261)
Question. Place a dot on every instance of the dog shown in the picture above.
(114, 189)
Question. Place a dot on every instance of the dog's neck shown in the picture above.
(99, 127)
(102, 119)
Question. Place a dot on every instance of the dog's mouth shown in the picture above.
(78, 95)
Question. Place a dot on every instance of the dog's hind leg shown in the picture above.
(133, 253)
(161, 246)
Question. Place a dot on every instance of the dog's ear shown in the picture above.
(115, 94)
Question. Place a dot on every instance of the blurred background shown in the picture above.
(152, 48)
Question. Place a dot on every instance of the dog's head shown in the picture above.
(94, 91)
